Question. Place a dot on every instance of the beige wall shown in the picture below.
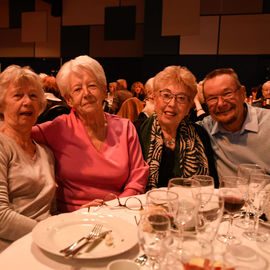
(239, 34)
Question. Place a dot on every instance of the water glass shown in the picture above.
(161, 198)
(245, 170)
(153, 229)
(259, 199)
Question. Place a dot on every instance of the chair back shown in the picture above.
(131, 108)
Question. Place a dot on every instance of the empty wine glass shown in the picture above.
(258, 197)
(206, 183)
(245, 170)
(184, 187)
(209, 215)
(153, 229)
(206, 187)
(231, 189)
(187, 189)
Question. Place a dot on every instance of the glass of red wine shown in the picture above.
(232, 189)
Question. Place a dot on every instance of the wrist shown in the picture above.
(201, 109)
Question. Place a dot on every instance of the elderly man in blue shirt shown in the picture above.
(239, 132)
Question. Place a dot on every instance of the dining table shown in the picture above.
(30, 252)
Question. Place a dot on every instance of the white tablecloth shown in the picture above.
(24, 254)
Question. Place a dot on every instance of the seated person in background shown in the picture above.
(27, 182)
(264, 101)
(120, 95)
(137, 89)
(131, 108)
(171, 143)
(255, 99)
(96, 153)
(149, 108)
(239, 132)
(109, 98)
(55, 105)
(199, 110)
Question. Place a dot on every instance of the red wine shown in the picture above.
(233, 204)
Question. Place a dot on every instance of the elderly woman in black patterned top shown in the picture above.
(172, 145)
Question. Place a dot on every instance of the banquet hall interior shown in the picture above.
(135, 39)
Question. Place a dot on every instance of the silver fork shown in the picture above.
(73, 245)
(93, 236)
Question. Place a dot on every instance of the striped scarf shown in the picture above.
(191, 152)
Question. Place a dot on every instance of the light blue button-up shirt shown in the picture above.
(251, 144)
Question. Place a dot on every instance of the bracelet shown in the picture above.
(201, 109)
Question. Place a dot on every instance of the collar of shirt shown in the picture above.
(250, 123)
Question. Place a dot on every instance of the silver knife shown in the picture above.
(87, 242)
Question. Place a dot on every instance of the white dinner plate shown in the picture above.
(244, 258)
(58, 232)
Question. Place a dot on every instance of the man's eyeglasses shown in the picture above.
(167, 96)
(228, 95)
(113, 202)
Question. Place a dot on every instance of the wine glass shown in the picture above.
(206, 187)
(187, 189)
(209, 215)
(258, 197)
(231, 188)
(184, 187)
(245, 170)
(153, 229)
(194, 252)
(164, 199)
(206, 183)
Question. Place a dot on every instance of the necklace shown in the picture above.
(170, 142)
(106, 122)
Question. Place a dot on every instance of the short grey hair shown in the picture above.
(176, 74)
(265, 84)
(222, 71)
(76, 65)
(15, 74)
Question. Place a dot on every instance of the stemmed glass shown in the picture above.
(187, 189)
(232, 189)
(193, 250)
(209, 215)
(206, 183)
(245, 170)
(184, 187)
(165, 199)
(258, 197)
(206, 187)
(153, 229)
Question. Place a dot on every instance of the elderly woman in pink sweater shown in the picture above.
(96, 153)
